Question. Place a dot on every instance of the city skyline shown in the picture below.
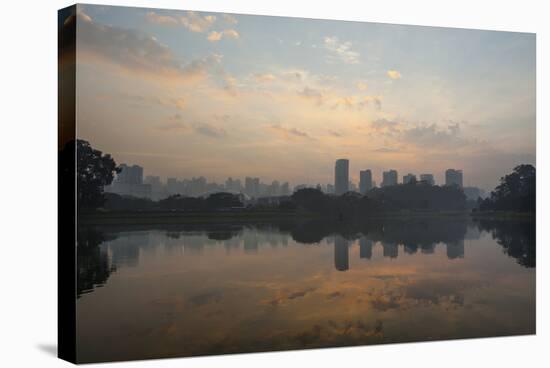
(218, 95)
(132, 181)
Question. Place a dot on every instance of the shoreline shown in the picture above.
(258, 216)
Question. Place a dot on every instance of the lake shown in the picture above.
(201, 289)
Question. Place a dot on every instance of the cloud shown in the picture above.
(178, 103)
(217, 36)
(362, 86)
(161, 19)
(341, 50)
(433, 136)
(135, 52)
(191, 20)
(394, 74)
(174, 126)
(196, 22)
(289, 133)
(264, 77)
(428, 137)
(334, 133)
(210, 130)
(386, 150)
(312, 94)
(384, 124)
(293, 75)
(229, 19)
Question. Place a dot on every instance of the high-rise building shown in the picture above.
(341, 176)
(389, 178)
(365, 181)
(409, 179)
(129, 181)
(427, 179)
(130, 174)
(453, 177)
(285, 189)
(252, 186)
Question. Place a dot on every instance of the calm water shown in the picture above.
(212, 289)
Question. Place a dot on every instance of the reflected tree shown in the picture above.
(517, 238)
(93, 267)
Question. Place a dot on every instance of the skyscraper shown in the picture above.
(409, 179)
(427, 179)
(341, 176)
(389, 178)
(365, 181)
(453, 177)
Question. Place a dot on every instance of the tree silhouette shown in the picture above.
(94, 170)
(516, 192)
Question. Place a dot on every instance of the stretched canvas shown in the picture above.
(244, 183)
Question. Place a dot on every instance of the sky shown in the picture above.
(187, 94)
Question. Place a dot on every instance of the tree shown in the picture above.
(94, 170)
(516, 191)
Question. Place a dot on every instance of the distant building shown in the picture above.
(129, 181)
(157, 188)
(285, 189)
(341, 176)
(172, 185)
(233, 185)
(427, 179)
(365, 181)
(130, 174)
(252, 186)
(389, 178)
(409, 179)
(453, 177)
(352, 187)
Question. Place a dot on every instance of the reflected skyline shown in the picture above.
(301, 285)
(107, 252)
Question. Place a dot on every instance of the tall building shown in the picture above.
(285, 189)
(453, 177)
(365, 181)
(130, 174)
(341, 176)
(427, 179)
(129, 181)
(252, 186)
(389, 178)
(409, 179)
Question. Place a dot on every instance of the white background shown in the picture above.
(28, 221)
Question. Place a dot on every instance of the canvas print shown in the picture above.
(247, 183)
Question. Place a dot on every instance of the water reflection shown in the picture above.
(196, 289)
(101, 251)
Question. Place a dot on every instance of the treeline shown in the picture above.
(516, 192)
(176, 202)
(388, 199)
